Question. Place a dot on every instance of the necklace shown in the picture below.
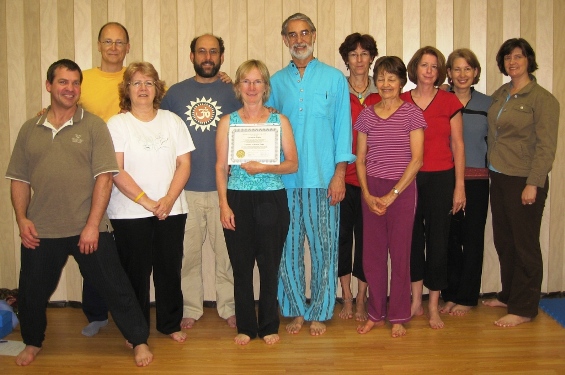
(252, 120)
(359, 94)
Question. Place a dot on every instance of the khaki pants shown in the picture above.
(204, 221)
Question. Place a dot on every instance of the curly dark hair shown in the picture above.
(365, 41)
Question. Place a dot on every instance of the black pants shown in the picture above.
(351, 226)
(466, 246)
(149, 244)
(516, 230)
(40, 273)
(93, 304)
(261, 219)
(430, 235)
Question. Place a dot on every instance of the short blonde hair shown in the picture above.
(148, 70)
(244, 69)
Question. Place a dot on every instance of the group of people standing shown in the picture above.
(420, 191)
(410, 179)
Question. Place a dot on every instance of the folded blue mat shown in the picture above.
(554, 307)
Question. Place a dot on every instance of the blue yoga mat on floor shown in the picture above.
(554, 307)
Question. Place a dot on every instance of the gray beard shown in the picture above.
(301, 56)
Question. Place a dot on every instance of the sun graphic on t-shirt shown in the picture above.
(203, 113)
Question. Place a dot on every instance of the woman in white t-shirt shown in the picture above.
(148, 207)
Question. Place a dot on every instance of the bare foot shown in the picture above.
(369, 325)
(493, 302)
(179, 336)
(242, 339)
(511, 320)
(416, 309)
(459, 310)
(271, 339)
(317, 328)
(360, 310)
(435, 320)
(129, 345)
(347, 311)
(27, 355)
(398, 330)
(231, 321)
(446, 309)
(295, 326)
(187, 323)
(142, 354)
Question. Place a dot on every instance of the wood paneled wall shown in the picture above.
(34, 33)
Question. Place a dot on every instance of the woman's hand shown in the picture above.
(253, 167)
(227, 217)
(163, 207)
(459, 200)
(376, 204)
(529, 194)
(388, 199)
(148, 203)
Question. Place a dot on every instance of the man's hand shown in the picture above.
(223, 76)
(271, 109)
(88, 242)
(336, 190)
(28, 234)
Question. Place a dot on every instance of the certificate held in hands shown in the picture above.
(254, 142)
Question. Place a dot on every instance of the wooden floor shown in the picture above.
(470, 345)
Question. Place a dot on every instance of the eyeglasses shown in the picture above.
(304, 34)
(137, 84)
(257, 82)
(362, 55)
(203, 52)
(118, 43)
(514, 57)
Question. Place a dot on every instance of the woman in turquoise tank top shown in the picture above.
(253, 203)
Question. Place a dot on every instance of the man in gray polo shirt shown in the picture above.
(67, 157)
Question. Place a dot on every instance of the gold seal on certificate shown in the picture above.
(254, 142)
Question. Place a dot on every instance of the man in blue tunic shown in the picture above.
(315, 97)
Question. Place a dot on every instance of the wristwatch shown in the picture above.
(395, 191)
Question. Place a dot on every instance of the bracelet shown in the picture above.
(139, 196)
